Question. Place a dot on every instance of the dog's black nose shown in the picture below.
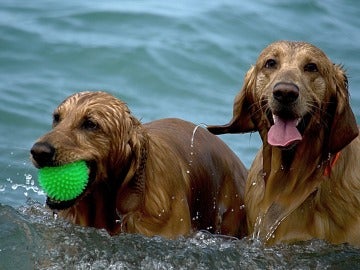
(286, 92)
(43, 153)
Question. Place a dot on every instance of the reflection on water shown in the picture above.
(32, 239)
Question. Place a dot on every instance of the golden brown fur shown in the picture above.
(154, 179)
(300, 191)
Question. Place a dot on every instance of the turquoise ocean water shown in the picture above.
(182, 59)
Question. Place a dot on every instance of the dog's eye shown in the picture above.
(89, 125)
(56, 118)
(271, 63)
(311, 67)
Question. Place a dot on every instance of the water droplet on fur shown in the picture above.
(196, 216)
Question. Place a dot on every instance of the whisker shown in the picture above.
(259, 107)
(323, 114)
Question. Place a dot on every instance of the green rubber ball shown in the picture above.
(66, 182)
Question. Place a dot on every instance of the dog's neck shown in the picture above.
(132, 195)
(131, 192)
(286, 176)
(138, 180)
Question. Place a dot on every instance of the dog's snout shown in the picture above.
(43, 153)
(286, 92)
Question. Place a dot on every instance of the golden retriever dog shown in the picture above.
(305, 181)
(167, 177)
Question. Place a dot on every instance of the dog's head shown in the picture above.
(94, 127)
(293, 89)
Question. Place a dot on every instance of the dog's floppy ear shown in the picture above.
(343, 128)
(241, 121)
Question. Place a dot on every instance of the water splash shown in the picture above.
(257, 226)
(194, 131)
(260, 228)
(29, 185)
(39, 240)
(192, 143)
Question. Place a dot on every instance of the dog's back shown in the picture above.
(212, 174)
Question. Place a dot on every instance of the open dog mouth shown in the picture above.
(287, 129)
(56, 204)
(284, 132)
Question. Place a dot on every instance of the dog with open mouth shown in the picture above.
(167, 177)
(305, 181)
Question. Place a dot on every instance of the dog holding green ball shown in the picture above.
(101, 167)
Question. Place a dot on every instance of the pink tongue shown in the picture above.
(284, 132)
